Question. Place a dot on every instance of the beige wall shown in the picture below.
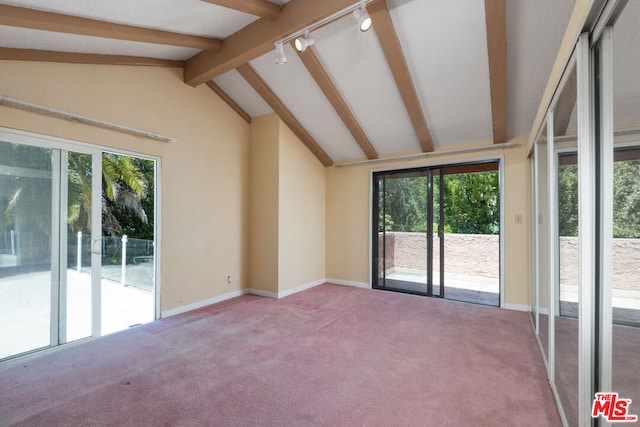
(302, 210)
(321, 216)
(288, 199)
(205, 174)
(348, 218)
(264, 207)
(517, 245)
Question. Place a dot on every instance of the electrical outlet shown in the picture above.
(229, 279)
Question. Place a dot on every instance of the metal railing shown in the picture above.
(129, 261)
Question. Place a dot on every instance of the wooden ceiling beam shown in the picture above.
(285, 115)
(262, 8)
(226, 98)
(258, 38)
(317, 71)
(497, 50)
(14, 16)
(83, 58)
(390, 44)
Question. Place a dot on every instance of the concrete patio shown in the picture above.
(25, 307)
(460, 287)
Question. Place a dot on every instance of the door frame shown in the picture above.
(441, 164)
(58, 312)
(420, 172)
(53, 142)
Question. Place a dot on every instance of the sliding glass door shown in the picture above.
(75, 288)
(588, 229)
(436, 232)
(408, 240)
(27, 189)
(47, 195)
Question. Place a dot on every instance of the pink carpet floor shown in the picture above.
(328, 356)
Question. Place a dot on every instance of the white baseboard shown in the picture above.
(283, 294)
(544, 311)
(203, 303)
(301, 288)
(261, 293)
(516, 307)
(349, 283)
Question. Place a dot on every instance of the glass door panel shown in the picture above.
(406, 232)
(471, 199)
(76, 288)
(533, 297)
(542, 230)
(625, 288)
(48, 216)
(418, 214)
(379, 234)
(625, 284)
(565, 234)
(128, 242)
(26, 249)
(566, 319)
(438, 235)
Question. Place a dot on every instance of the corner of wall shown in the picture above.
(302, 214)
(263, 203)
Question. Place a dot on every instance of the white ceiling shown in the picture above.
(358, 68)
(626, 67)
(298, 91)
(444, 43)
(446, 51)
(180, 16)
(243, 94)
(46, 40)
(534, 33)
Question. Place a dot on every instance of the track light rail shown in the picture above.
(324, 21)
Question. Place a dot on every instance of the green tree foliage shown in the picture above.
(568, 200)
(626, 199)
(27, 189)
(404, 204)
(79, 181)
(126, 183)
(123, 186)
(471, 203)
(127, 192)
(133, 225)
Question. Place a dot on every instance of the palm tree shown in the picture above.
(123, 186)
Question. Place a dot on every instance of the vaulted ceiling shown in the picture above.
(429, 74)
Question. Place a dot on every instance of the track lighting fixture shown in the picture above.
(280, 56)
(302, 43)
(363, 19)
(302, 40)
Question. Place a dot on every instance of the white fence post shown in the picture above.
(79, 267)
(123, 274)
(13, 242)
